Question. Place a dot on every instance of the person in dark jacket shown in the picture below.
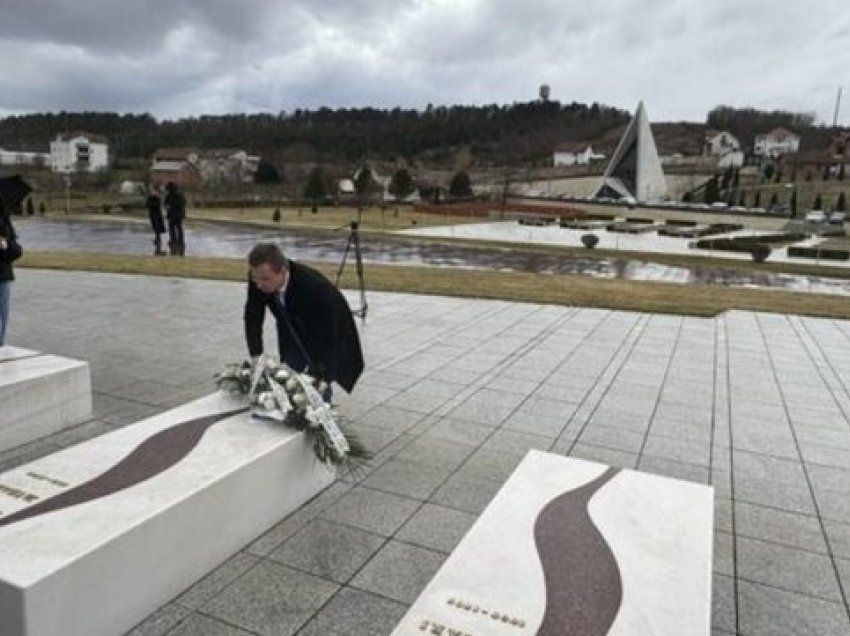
(154, 205)
(10, 251)
(175, 212)
(315, 329)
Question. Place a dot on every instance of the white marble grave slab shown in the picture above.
(40, 395)
(571, 547)
(97, 536)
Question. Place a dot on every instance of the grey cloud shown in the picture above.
(187, 57)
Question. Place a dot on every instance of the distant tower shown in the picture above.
(544, 92)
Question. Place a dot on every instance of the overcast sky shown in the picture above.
(177, 58)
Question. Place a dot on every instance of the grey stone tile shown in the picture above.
(779, 526)
(788, 568)
(355, 612)
(200, 625)
(484, 464)
(773, 494)
(516, 442)
(768, 611)
(375, 438)
(329, 550)
(216, 581)
(611, 437)
(843, 568)
(839, 538)
(545, 425)
(371, 510)
(399, 571)
(416, 401)
(677, 450)
(436, 452)
(828, 478)
(722, 513)
(825, 455)
(392, 418)
(724, 554)
(610, 457)
(467, 494)
(674, 469)
(436, 527)
(723, 611)
(459, 431)
(404, 477)
(762, 467)
(160, 622)
(271, 600)
(834, 506)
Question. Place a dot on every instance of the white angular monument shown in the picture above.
(40, 394)
(574, 548)
(635, 168)
(97, 536)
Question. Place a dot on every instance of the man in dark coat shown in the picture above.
(154, 206)
(175, 212)
(10, 250)
(315, 328)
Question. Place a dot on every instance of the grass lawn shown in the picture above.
(695, 300)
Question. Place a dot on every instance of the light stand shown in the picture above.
(354, 239)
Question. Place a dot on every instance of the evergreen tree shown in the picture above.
(792, 204)
(818, 204)
(401, 185)
(30, 207)
(774, 201)
(841, 205)
(757, 200)
(841, 170)
(316, 189)
(742, 201)
(460, 186)
(365, 185)
(712, 191)
(826, 173)
(266, 173)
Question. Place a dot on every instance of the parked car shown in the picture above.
(816, 216)
(719, 205)
(838, 218)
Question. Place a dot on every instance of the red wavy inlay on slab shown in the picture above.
(149, 459)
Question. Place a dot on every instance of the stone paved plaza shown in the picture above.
(456, 391)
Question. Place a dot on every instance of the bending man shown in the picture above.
(315, 329)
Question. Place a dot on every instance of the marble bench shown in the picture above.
(97, 536)
(40, 394)
(570, 547)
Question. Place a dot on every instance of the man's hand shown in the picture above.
(3, 243)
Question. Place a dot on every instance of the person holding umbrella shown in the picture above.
(10, 250)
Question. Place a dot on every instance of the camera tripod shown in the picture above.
(354, 239)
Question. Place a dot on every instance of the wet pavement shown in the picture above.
(235, 241)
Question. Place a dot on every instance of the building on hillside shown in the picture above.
(573, 153)
(190, 167)
(79, 152)
(725, 148)
(779, 141)
(24, 158)
(635, 169)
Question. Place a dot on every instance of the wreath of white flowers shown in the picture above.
(276, 392)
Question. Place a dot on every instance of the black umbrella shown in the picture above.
(13, 189)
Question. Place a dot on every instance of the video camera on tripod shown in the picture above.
(354, 239)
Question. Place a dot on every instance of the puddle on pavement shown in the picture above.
(207, 239)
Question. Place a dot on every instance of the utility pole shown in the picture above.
(837, 106)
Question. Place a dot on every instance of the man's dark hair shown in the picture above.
(267, 253)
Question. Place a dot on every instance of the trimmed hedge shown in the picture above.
(746, 243)
(825, 253)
